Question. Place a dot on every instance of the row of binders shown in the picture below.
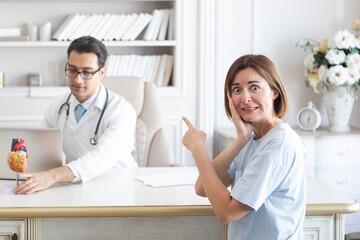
(119, 27)
(151, 68)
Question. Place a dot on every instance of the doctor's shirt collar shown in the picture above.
(88, 102)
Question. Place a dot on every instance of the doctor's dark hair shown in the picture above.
(88, 44)
(267, 70)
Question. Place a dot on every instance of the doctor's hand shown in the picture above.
(193, 138)
(35, 182)
(243, 129)
(43, 180)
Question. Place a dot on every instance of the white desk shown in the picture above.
(117, 206)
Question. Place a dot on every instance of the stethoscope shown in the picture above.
(66, 104)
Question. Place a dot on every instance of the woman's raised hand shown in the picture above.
(193, 139)
(243, 129)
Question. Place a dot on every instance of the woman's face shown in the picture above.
(253, 97)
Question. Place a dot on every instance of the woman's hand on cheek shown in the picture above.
(193, 139)
(243, 129)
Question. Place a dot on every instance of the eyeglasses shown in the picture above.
(84, 75)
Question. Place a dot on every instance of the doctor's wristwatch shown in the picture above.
(309, 118)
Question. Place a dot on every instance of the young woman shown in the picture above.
(264, 164)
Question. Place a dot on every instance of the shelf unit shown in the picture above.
(51, 55)
(136, 43)
(18, 59)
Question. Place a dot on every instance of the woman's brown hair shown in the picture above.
(267, 70)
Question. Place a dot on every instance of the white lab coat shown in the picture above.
(115, 135)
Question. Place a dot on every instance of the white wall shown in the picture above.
(216, 32)
(272, 28)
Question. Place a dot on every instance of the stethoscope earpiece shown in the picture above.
(93, 140)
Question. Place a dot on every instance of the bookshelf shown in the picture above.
(137, 43)
(19, 58)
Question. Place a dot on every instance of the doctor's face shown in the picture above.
(86, 63)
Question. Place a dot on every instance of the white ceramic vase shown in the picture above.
(339, 101)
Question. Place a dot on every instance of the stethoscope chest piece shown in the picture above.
(93, 141)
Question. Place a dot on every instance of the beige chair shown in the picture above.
(152, 147)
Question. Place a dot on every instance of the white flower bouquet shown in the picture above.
(334, 62)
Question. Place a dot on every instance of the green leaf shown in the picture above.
(325, 62)
(353, 50)
(321, 60)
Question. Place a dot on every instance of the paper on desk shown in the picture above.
(8, 189)
(168, 179)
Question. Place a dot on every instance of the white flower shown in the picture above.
(337, 75)
(354, 75)
(342, 40)
(357, 43)
(334, 62)
(335, 56)
(322, 73)
(353, 60)
(309, 63)
(303, 42)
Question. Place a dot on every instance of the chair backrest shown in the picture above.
(152, 148)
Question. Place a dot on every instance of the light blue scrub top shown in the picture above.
(268, 175)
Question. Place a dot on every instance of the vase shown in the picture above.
(339, 101)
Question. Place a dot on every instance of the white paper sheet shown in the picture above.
(168, 179)
(8, 189)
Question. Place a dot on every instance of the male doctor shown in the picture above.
(89, 108)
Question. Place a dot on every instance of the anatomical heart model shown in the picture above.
(18, 162)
